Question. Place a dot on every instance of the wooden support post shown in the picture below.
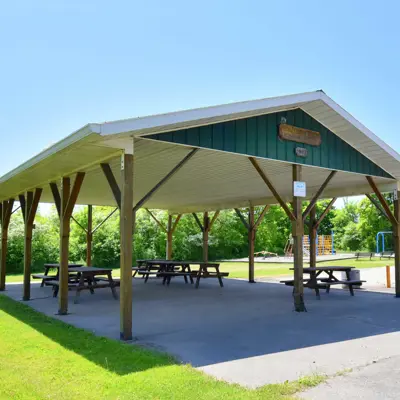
(169, 238)
(252, 238)
(206, 230)
(126, 229)
(396, 241)
(5, 215)
(298, 232)
(251, 227)
(89, 236)
(31, 204)
(313, 237)
(65, 205)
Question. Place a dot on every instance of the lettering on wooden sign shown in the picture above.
(300, 135)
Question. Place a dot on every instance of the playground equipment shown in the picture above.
(381, 235)
(325, 245)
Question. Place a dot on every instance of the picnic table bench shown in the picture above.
(87, 278)
(167, 269)
(316, 282)
(45, 277)
(364, 254)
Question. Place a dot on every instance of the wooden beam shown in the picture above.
(298, 232)
(206, 230)
(377, 205)
(89, 235)
(325, 212)
(79, 224)
(215, 216)
(396, 242)
(313, 237)
(126, 228)
(318, 194)
(105, 220)
(177, 167)
(240, 215)
(6, 211)
(112, 182)
(198, 222)
(261, 216)
(56, 197)
(251, 241)
(21, 198)
(15, 210)
(31, 206)
(65, 223)
(177, 219)
(271, 187)
(159, 223)
(74, 193)
(169, 238)
(382, 200)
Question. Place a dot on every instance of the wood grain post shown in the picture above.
(64, 248)
(313, 236)
(298, 232)
(206, 230)
(252, 238)
(396, 241)
(89, 236)
(31, 204)
(169, 238)
(126, 229)
(5, 215)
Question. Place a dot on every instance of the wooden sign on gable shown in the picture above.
(300, 135)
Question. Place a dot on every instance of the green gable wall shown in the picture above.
(258, 136)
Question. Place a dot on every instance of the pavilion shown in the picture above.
(277, 150)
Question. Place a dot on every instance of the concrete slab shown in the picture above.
(244, 333)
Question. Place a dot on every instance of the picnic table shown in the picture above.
(87, 278)
(316, 282)
(167, 269)
(45, 277)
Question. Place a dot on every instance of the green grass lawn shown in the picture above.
(43, 358)
(263, 270)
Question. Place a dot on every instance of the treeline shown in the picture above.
(355, 226)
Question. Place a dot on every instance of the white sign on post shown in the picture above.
(299, 189)
(395, 195)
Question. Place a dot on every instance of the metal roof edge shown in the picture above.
(184, 116)
(357, 124)
(74, 137)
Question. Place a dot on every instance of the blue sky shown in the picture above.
(66, 63)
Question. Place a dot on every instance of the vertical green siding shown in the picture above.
(258, 136)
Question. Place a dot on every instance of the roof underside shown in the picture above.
(211, 179)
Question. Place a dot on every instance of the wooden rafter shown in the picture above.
(74, 193)
(261, 216)
(198, 222)
(104, 220)
(382, 200)
(377, 205)
(318, 194)
(242, 218)
(271, 187)
(21, 199)
(79, 224)
(177, 167)
(325, 212)
(214, 218)
(177, 219)
(112, 182)
(56, 197)
(159, 223)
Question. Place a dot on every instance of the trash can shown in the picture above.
(354, 276)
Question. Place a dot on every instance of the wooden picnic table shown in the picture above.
(88, 278)
(316, 282)
(45, 277)
(168, 269)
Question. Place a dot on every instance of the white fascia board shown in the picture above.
(55, 148)
(191, 116)
(357, 124)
